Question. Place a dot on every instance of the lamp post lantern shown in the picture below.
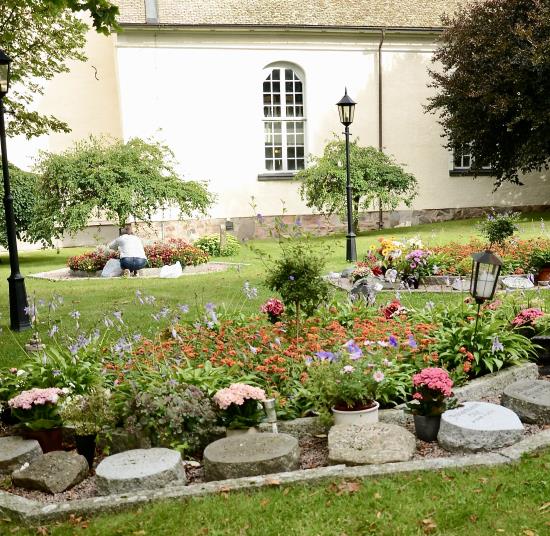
(19, 318)
(346, 109)
(485, 271)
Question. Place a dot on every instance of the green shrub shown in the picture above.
(211, 245)
(497, 228)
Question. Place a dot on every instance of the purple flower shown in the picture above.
(30, 311)
(252, 349)
(277, 341)
(412, 342)
(209, 307)
(291, 277)
(184, 308)
(260, 218)
(326, 356)
(393, 341)
(53, 330)
(118, 316)
(74, 314)
(150, 300)
(353, 349)
(308, 360)
(108, 322)
(497, 345)
(56, 372)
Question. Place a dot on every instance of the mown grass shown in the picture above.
(94, 298)
(508, 500)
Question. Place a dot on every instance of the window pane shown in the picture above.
(276, 87)
(291, 152)
(289, 74)
(291, 165)
(300, 163)
(289, 86)
(298, 87)
(299, 139)
(276, 74)
(269, 165)
(267, 87)
(269, 152)
(300, 151)
(278, 165)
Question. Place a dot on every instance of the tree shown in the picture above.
(23, 189)
(40, 39)
(494, 86)
(375, 178)
(103, 13)
(120, 180)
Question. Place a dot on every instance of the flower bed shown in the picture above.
(158, 254)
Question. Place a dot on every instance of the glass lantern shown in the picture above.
(485, 271)
(5, 62)
(346, 109)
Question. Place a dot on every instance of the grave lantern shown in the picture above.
(485, 271)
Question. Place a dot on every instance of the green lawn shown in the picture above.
(93, 298)
(510, 500)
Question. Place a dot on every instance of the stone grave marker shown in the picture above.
(54, 472)
(530, 399)
(374, 443)
(479, 426)
(15, 451)
(251, 455)
(139, 469)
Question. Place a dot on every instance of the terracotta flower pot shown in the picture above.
(544, 274)
(49, 440)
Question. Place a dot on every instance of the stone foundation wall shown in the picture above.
(259, 227)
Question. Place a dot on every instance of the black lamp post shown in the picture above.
(485, 271)
(346, 109)
(19, 319)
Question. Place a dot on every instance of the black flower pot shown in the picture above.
(85, 445)
(412, 281)
(427, 427)
(543, 352)
(6, 416)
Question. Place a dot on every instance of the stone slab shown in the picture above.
(515, 282)
(53, 472)
(529, 399)
(370, 444)
(15, 451)
(298, 428)
(251, 455)
(139, 469)
(479, 426)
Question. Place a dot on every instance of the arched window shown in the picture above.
(284, 120)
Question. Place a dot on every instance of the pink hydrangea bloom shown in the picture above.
(35, 397)
(237, 393)
(273, 306)
(527, 316)
(434, 378)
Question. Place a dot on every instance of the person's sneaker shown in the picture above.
(126, 273)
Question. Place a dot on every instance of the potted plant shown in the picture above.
(432, 396)
(345, 385)
(274, 308)
(415, 266)
(240, 407)
(87, 414)
(540, 265)
(37, 411)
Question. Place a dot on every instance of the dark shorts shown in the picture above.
(133, 263)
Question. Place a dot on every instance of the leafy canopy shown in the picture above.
(375, 177)
(23, 189)
(493, 91)
(103, 13)
(122, 180)
(40, 38)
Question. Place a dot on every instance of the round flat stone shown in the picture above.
(479, 426)
(373, 443)
(139, 469)
(529, 399)
(251, 455)
(15, 451)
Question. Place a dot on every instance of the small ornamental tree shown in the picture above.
(23, 190)
(492, 84)
(120, 180)
(375, 177)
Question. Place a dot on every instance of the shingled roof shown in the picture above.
(293, 13)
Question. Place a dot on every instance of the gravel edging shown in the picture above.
(30, 512)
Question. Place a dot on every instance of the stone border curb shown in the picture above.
(29, 512)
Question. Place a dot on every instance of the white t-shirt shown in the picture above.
(128, 246)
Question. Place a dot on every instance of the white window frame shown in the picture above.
(466, 154)
(284, 119)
